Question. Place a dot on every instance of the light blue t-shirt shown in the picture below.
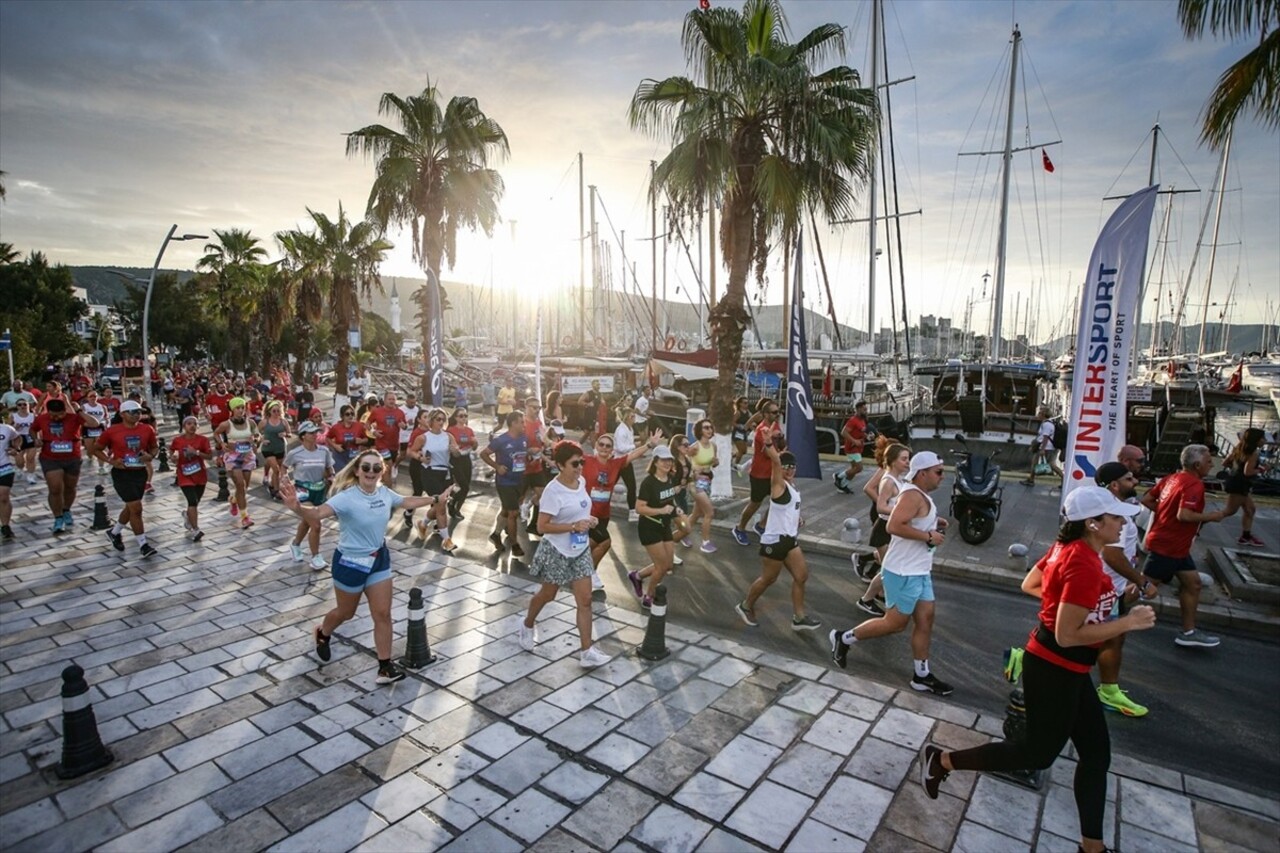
(362, 518)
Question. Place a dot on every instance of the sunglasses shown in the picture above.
(371, 469)
(574, 463)
(772, 412)
(604, 445)
(436, 419)
(788, 467)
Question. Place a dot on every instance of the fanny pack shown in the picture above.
(1083, 655)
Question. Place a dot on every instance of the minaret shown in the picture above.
(395, 308)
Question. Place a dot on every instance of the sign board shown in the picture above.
(353, 338)
(6, 342)
(582, 384)
(1138, 394)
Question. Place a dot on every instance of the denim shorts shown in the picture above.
(903, 591)
(350, 576)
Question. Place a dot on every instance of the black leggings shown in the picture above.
(1061, 705)
(462, 481)
(628, 476)
(417, 477)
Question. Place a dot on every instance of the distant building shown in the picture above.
(394, 319)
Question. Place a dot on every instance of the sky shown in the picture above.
(119, 119)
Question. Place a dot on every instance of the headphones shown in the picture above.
(1093, 526)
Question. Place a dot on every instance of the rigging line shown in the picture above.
(1035, 189)
(884, 182)
(897, 220)
(626, 271)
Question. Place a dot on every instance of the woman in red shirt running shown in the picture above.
(1075, 607)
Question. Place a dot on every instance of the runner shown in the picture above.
(624, 441)
(430, 453)
(883, 488)
(505, 454)
(1061, 703)
(10, 441)
(914, 526)
(129, 445)
(346, 437)
(275, 432)
(741, 414)
(22, 419)
(237, 439)
(1241, 466)
(191, 451)
(705, 459)
(310, 467)
(465, 439)
(657, 508)
(535, 473)
(854, 439)
(216, 404)
(361, 562)
(778, 545)
(92, 451)
(384, 423)
(57, 434)
(506, 400)
(9, 399)
(410, 410)
(682, 476)
(565, 520)
(601, 472)
(768, 432)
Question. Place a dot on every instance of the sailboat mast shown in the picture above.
(997, 310)
(1213, 248)
(871, 195)
(582, 263)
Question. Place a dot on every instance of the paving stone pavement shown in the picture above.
(229, 735)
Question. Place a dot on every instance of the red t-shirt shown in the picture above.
(125, 443)
(191, 470)
(1167, 536)
(465, 436)
(761, 464)
(388, 421)
(533, 430)
(1072, 574)
(61, 439)
(216, 406)
(600, 478)
(856, 426)
(111, 404)
(346, 438)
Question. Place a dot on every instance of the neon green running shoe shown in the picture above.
(1012, 664)
(1114, 698)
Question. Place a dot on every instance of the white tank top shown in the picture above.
(897, 484)
(22, 423)
(435, 450)
(784, 518)
(910, 557)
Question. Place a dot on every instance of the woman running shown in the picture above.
(893, 461)
(92, 452)
(21, 419)
(705, 459)
(1241, 465)
(361, 562)
(191, 451)
(624, 441)
(1061, 703)
(237, 439)
(563, 558)
(601, 472)
(429, 455)
(465, 438)
(10, 441)
(310, 467)
(657, 509)
(275, 432)
(346, 437)
(682, 473)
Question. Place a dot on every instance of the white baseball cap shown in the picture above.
(1092, 501)
(921, 461)
(130, 406)
(307, 427)
(662, 452)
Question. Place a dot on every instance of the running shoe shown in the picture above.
(235, 509)
(389, 673)
(740, 536)
(246, 523)
(322, 646)
(1112, 697)
(839, 649)
(592, 657)
(687, 542)
(745, 614)
(31, 479)
(932, 773)
(528, 637)
(59, 525)
(447, 546)
(646, 602)
(708, 547)
(596, 582)
(1196, 637)
(804, 623)
(931, 684)
(1028, 482)
(458, 516)
(318, 563)
(408, 518)
(759, 529)
(677, 560)
(66, 518)
(1252, 540)
(197, 535)
(637, 585)
(516, 550)
(870, 605)
(117, 541)
(149, 550)
(6, 532)
(496, 539)
(148, 489)
(296, 551)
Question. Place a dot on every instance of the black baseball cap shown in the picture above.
(1109, 472)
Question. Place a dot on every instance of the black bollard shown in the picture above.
(1015, 731)
(100, 520)
(163, 456)
(417, 651)
(82, 749)
(654, 646)
(224, 494)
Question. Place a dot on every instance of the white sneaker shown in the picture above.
(528, 637)
(596, 583)
(676, 560)
(633, 517)
(296, 551)
(592, 657)
(31, 479)
(318, 563)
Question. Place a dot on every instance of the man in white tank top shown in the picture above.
(908, 564)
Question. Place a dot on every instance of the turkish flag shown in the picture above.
(1048, 164)
(826, 382)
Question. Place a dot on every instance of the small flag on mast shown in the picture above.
(1048, 164)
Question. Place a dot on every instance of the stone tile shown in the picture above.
(560, 673)
(1206, 790)
(857, 706)
(142, 678)
(778, 726)
(710, 730)
(618, 752)
(814, 835)
(1140, 839)
(495, 740)
(179, 706)
(727, 671)
(116, 782)
(1004, 807)
(520, 768)
(529, 816)
(583, 729)
(667, 767)
(1164, 777)
(976, 838)
(668, 676)
(770, 814)
(334, 752)
(710, 796)
(745, 700)
(168, 794)
(340, 830)
(609, 815)
(85, 832)
(860, 686)
(389, 761)
(836, 732)
(485, 836)
(579, 694)
(808, 698)
(628, 699)
(416, 832)
(1161, 811)
(837, 809)
(452, 766)
(218, 742)
(254, 831)
(887, 839)
(1221, 829)
(622, 669)
(670, 830)
(572, 782)
(720, 841)
(743, 760)
(1059, 816)
(656, 723)
(400, 797)
(443, 732)
(515, 696)
(466, 804)
(215, 717)
(173, 830)
(694, 695)
(249, 793)
(903, 727)
(386, 727)
(935, 708)
(878, 761)
(556, 841)
(263, 753)
(145, 743)
(29, 819)
(931, 822)
(182, 685)
(805, 768)
(320, 797)
(434, 705)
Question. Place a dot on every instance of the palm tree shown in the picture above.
(433, 174)
(304, 291)
(236, 282)
(1253, 81)
(8, 254)
(349, 256)
(766, 135)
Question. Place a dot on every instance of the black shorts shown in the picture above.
(193, 494)
(534, 480)
(600, 533)
(129, 484)
(879, 534)
(1237, 484)
(1161, 568)
(760, 488)
(509, 496)
(436, 480)
(70, 467)
(780, 549)
(6, 481)
(654, 532)
(268, 454)
(27, 442)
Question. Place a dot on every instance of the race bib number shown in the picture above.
(6, 470)
(362, 564)
(386, 454)
(600, 496)
(316, 486)
(703, 484)
(243, 447)
(190, 469)
(517, 463)
(62, 447)
(132, 460)
(577, 540)
(92, 433)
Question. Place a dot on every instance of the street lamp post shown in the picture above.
(146, 310)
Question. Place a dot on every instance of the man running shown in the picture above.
(10, 442)
(915, 529)
(506, 454)
(216, 404)
(854, 438)
(129, 445)
(385, 423)
(768, 432)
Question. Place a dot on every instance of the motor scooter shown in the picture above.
(976, 494)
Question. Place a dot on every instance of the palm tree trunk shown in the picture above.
(342, 360)
(728, 319)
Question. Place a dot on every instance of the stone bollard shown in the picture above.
(851, 531)
(1018, 557)
(100, 520)
(654, 646)
(82, 749)
(163, 457)
(224, 493)
(417, 651)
